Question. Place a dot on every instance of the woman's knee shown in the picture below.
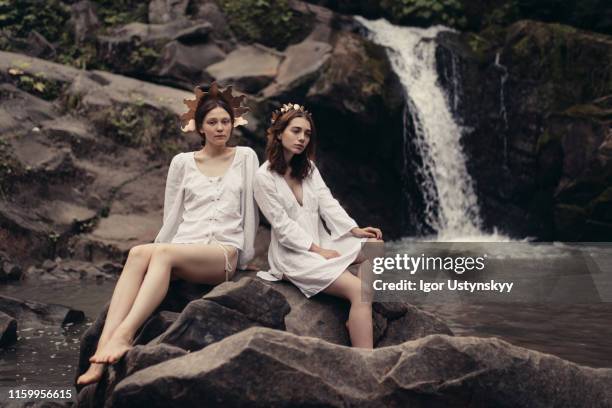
(141, 251)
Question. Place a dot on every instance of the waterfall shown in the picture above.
(451, 207)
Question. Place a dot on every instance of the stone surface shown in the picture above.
(248, 68)
(8, 330)
(27, 312)
(302, 371)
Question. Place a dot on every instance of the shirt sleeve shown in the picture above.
(289, 233)
(249, 211)
(173, 200)
(335, 217)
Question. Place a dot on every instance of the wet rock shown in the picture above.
(194, 35)
(159, 323)
(435, 370)
(39, 47)
(299, 68)
(324, 317)
(141, 357)
(8, 330)
(8, 270)
(35, 313)
(227, 309)
(165, 11)
(538, 147)
(183, 65)
(248, 68)
(84, 21)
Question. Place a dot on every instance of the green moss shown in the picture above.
(10, 168)
(118, 12)
(425, 12)
(142, 58)
(36, 84)
(138, 124)
(268, 22)
(20, 17)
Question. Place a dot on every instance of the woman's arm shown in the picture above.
(289, 232)
(249, 212)
(336, 218)
(173, 200)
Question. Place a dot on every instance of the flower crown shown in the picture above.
(188, 118)
(286, 108)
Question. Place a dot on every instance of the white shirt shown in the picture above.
(203, 209)
(295, 227)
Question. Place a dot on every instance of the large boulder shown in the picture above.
(248, 68)
(8, 330)
(301, 65)
(235, 306)
(303, 371)
(35, 313)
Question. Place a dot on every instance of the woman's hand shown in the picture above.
(325, 253)
(328, 253)
(367, 232)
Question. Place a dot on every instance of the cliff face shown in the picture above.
(536, 98)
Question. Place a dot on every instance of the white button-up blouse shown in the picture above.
(203, 209)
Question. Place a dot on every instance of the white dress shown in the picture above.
(295, 227)
(202, 209)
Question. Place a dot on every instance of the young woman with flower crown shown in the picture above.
(292, 195)
(209, 225)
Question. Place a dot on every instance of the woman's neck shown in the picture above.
(288, 156)
(213, 151)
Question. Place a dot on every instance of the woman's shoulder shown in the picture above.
(264, 171)
(246, 151)
(179, 159)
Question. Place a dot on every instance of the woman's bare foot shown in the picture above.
(92, 375)
(112, 351)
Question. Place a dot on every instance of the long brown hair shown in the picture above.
(299, 163)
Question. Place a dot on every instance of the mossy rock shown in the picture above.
(37, 84)
(268, 22)
(569, 221)
(139, 125)
(601, 207)
(10, 168)
(580, 192)
(425, 12)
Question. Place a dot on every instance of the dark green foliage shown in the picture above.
(268, 22)
(117, 12)
(49, 18)
(425, 12)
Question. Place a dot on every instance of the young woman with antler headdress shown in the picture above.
(293, 196)
(209, 224)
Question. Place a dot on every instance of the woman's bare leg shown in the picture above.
(359, 323)
(199, 263)
(123, 297)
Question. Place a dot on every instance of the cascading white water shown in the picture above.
(451, 205)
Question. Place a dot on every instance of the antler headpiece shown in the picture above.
(188, 118)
